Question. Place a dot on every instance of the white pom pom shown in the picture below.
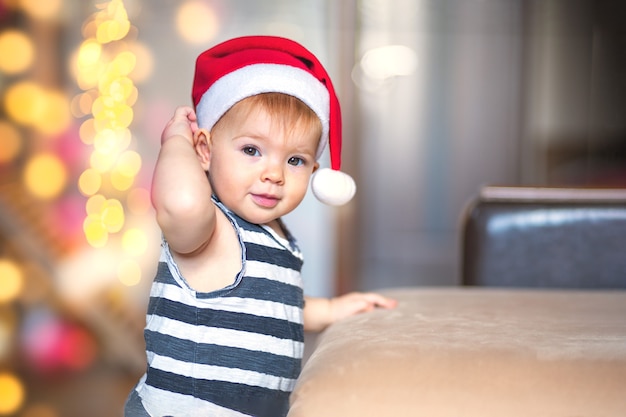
(332, 187)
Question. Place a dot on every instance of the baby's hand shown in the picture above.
(356, 303)
(183, 123)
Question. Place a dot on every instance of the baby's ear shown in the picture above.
(202, 145)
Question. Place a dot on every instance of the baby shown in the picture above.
(227, 314)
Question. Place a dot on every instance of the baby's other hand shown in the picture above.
(183, 123)
(358, 302)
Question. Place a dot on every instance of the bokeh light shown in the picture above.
(11, 280)
(12, 393)
(102, 162)
(106, 67)
(94, 204)
(135, 242)
(89, 182)
(129, 273)
(52, 344)
(10, 142)
(112, 215)
(46, 110)
(113, 23)
(104, 216)
(121, 65)
(196, 22)
(127, 168)
(16, 52)
(389, 61)
(41, 9)
(95, 231)
(87, 131)
(54, 133)
(23, 102)
(45, 176)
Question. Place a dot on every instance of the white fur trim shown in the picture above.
(332, 187)
(265, 78)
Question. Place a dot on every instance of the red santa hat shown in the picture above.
(250, 65)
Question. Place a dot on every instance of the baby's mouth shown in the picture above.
(265, 200)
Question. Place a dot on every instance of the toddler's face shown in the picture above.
(261, 169)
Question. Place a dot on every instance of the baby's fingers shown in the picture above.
(378, 300)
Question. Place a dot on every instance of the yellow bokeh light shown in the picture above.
(112, 141)
(29, 104)
(127, 168)
(115, 114)
(24, 102)
(87, 79)
(196, 22)
(101, 161)
(10, 142)
(87, 64)
(106, 141)
(11, 280)
(129, 163)
(16, 52)
(89, 54)
(12, 393)
(124, 138)
(114, 24)
(95, 231)
(45, 176)
(41, 9)
(135, 242)
(121, 182)
(129, 273)
(120, 89)
(113, 215)
(123, 63)
(105, 67)
(95, 204)
(89, 182)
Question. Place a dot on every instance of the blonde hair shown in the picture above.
(290, 112)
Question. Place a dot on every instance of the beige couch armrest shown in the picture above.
(473, 353)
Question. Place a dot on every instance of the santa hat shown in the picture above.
(250, 65)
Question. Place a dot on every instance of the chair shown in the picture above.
(545, 237)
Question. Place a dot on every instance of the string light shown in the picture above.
(12, 393)
(45, 176)
(16, 51)
(103, 67)
(11, 280)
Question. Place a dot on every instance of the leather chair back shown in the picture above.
(545, 237)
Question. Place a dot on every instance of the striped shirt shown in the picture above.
(232, 352)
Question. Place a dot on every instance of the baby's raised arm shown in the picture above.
(181, 193)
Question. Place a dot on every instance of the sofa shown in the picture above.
(472, 352)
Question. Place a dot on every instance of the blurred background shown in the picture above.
(439, 98)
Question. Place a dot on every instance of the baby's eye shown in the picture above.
(295, 161)
(251, 150)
